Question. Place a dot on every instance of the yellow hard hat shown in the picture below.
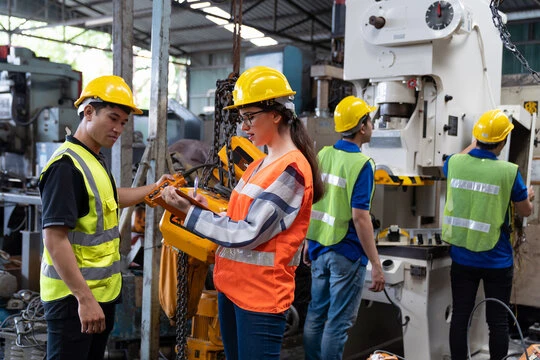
(492, 127)
(349, 111)
(109, 88)
(259, 83)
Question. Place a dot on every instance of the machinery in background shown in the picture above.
(25, 333)
(36, 112)
(204, 341)
(432, 68)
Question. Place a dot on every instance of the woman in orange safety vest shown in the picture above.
(260, 239)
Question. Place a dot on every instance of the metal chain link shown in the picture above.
(230, 130)
(505, 37)
(224, 124)
(182, 295)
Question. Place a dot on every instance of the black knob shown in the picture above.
(377, 21)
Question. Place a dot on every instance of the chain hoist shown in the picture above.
(505, 37)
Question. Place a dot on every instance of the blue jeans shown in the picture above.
(497, 284)
(336, 292)
(249, 335)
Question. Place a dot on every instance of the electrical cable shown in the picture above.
(23, 324)
(400, 315)
(513, 317)
(33, 118)
(484, 66)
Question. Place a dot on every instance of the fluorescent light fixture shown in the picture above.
(216, 20)
(99, 21)
(200, 5)
(217, 11)
(247, 32)
(264, 41)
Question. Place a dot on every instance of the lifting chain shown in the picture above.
(230, 130)
(182, 296)
(224, 124)
(505, 37)
(225, 121)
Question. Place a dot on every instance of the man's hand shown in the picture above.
(377, 279)
(305, 254)
(92, 316)
(90, 313)
(163, 178)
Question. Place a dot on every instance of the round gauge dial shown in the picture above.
(439, 15)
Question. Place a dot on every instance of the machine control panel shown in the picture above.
(397, 22)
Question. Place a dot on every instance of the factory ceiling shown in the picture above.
(304, 23)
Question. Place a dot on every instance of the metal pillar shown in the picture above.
(31, 260)
(157, 130)
(122, 151)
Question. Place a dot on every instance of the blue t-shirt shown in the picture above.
(501, 256)
(350, 246)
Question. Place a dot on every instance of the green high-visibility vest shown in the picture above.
(331, 215)
(95, 240)
(477, 199)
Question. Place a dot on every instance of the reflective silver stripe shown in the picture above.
(87, 273)
(475, 186)
(251, 190)
(247, 256)
(79, 238)
(253, 257)
(324, 217)
(466, 223)
(295, 261)
(334, 180)
(93, 187)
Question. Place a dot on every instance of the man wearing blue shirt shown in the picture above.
(340, 235)
(478, 219)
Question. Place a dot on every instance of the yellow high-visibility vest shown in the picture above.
(95, 240)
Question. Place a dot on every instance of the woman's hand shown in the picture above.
(199, 197)
(170, 196)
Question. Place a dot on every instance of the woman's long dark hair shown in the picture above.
(301, 139)
(304, 143)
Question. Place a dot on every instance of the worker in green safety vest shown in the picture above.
(340, 236)
(478, 217)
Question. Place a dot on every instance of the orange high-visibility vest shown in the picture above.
(262, 279)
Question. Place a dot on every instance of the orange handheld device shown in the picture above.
(151, 198)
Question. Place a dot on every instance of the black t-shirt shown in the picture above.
(63, 193)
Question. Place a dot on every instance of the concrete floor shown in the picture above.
(293, 350)
(514, 347)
